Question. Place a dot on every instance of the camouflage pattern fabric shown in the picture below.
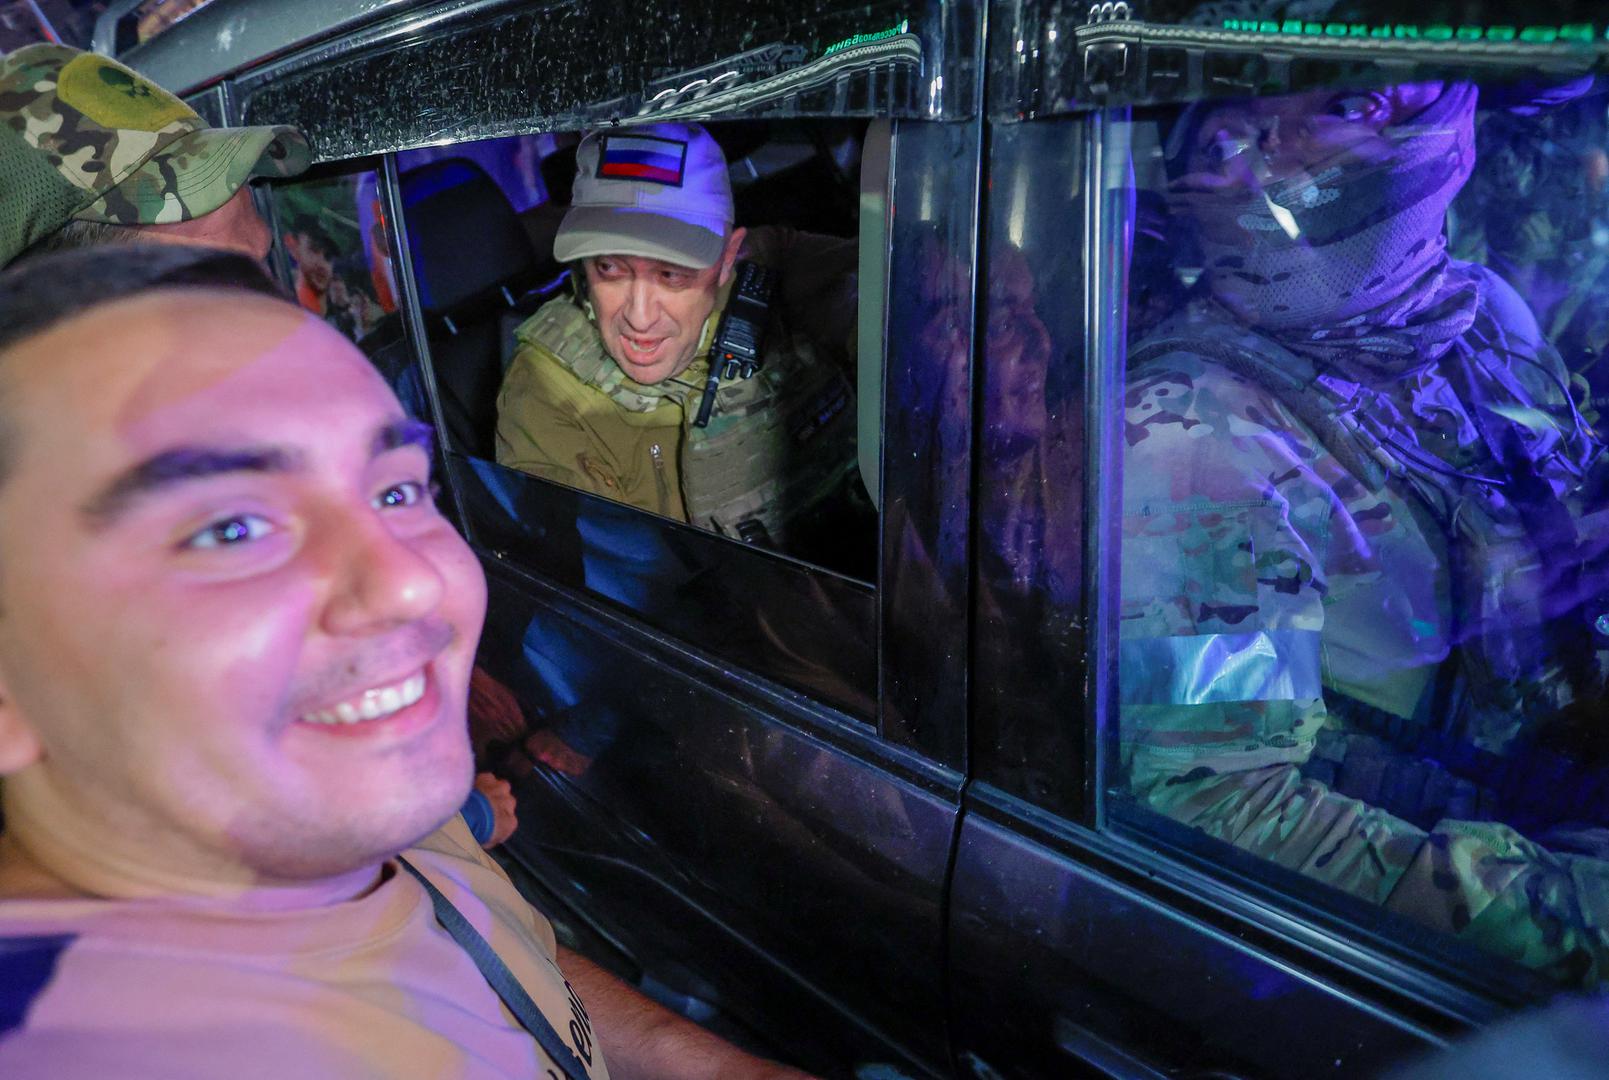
(778, 445)
(566, 413)
(85, 137)
(1285, 575)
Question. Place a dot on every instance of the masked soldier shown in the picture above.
(1363, 535)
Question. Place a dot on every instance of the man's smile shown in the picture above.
(375, 703)
(393, 713)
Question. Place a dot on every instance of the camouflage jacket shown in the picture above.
(1279, 588)
(777, 445)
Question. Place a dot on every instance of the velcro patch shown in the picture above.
(115, 97)
(643, 158)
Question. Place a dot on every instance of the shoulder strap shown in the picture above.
(501, 979)
(27, 965)
(563, 329)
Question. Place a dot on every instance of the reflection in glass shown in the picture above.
(333, 235)
(1363, 511)
(1028, 657)
(155, 16)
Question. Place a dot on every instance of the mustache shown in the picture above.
(385, 659)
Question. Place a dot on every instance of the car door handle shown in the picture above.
(1109, 1059)
(1101, 1054)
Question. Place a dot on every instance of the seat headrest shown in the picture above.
(463, 234)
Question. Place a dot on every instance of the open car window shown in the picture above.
(534, 359)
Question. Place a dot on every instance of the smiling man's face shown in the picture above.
(651, 313)
(235, 634)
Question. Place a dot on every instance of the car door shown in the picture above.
(1093, 932)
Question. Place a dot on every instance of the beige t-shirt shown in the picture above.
(371, 987)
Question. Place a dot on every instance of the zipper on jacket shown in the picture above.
(659, 478)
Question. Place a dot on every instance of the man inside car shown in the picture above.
(236, 639)
(612, 390)
(1365, 536)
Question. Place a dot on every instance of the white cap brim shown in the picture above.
(589, 231)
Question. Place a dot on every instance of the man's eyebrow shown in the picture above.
(405, 432)
(181, 465)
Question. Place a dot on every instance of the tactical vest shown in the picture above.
(778, 448)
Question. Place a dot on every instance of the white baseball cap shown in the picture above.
(660, 191)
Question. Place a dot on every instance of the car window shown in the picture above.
(1362, 596)
(155, 16)
(539, 362)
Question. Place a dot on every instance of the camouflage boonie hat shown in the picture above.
(84, 137)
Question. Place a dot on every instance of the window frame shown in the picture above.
(1332, 936)
(915, 713)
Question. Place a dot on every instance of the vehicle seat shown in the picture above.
(474, 268)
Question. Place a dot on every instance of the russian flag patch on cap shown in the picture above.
(642, 157)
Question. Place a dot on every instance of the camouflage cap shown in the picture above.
(83, 137)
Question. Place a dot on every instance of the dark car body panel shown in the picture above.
(740, 843)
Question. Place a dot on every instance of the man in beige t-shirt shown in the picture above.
(235, 646)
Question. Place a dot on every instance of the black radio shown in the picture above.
(735, 352)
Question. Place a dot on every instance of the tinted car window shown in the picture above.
(1363, 579)
(155, 17)
(1029, 661)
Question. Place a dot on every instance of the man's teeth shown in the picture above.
(650, 347)
(373, 704)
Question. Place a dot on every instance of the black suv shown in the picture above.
(1214, 691)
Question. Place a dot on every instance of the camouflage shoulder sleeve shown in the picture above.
(1234, 521)
(561, 330)
(1512, 897)
(1481, 882)
(1221, 611)
(1225, 530)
